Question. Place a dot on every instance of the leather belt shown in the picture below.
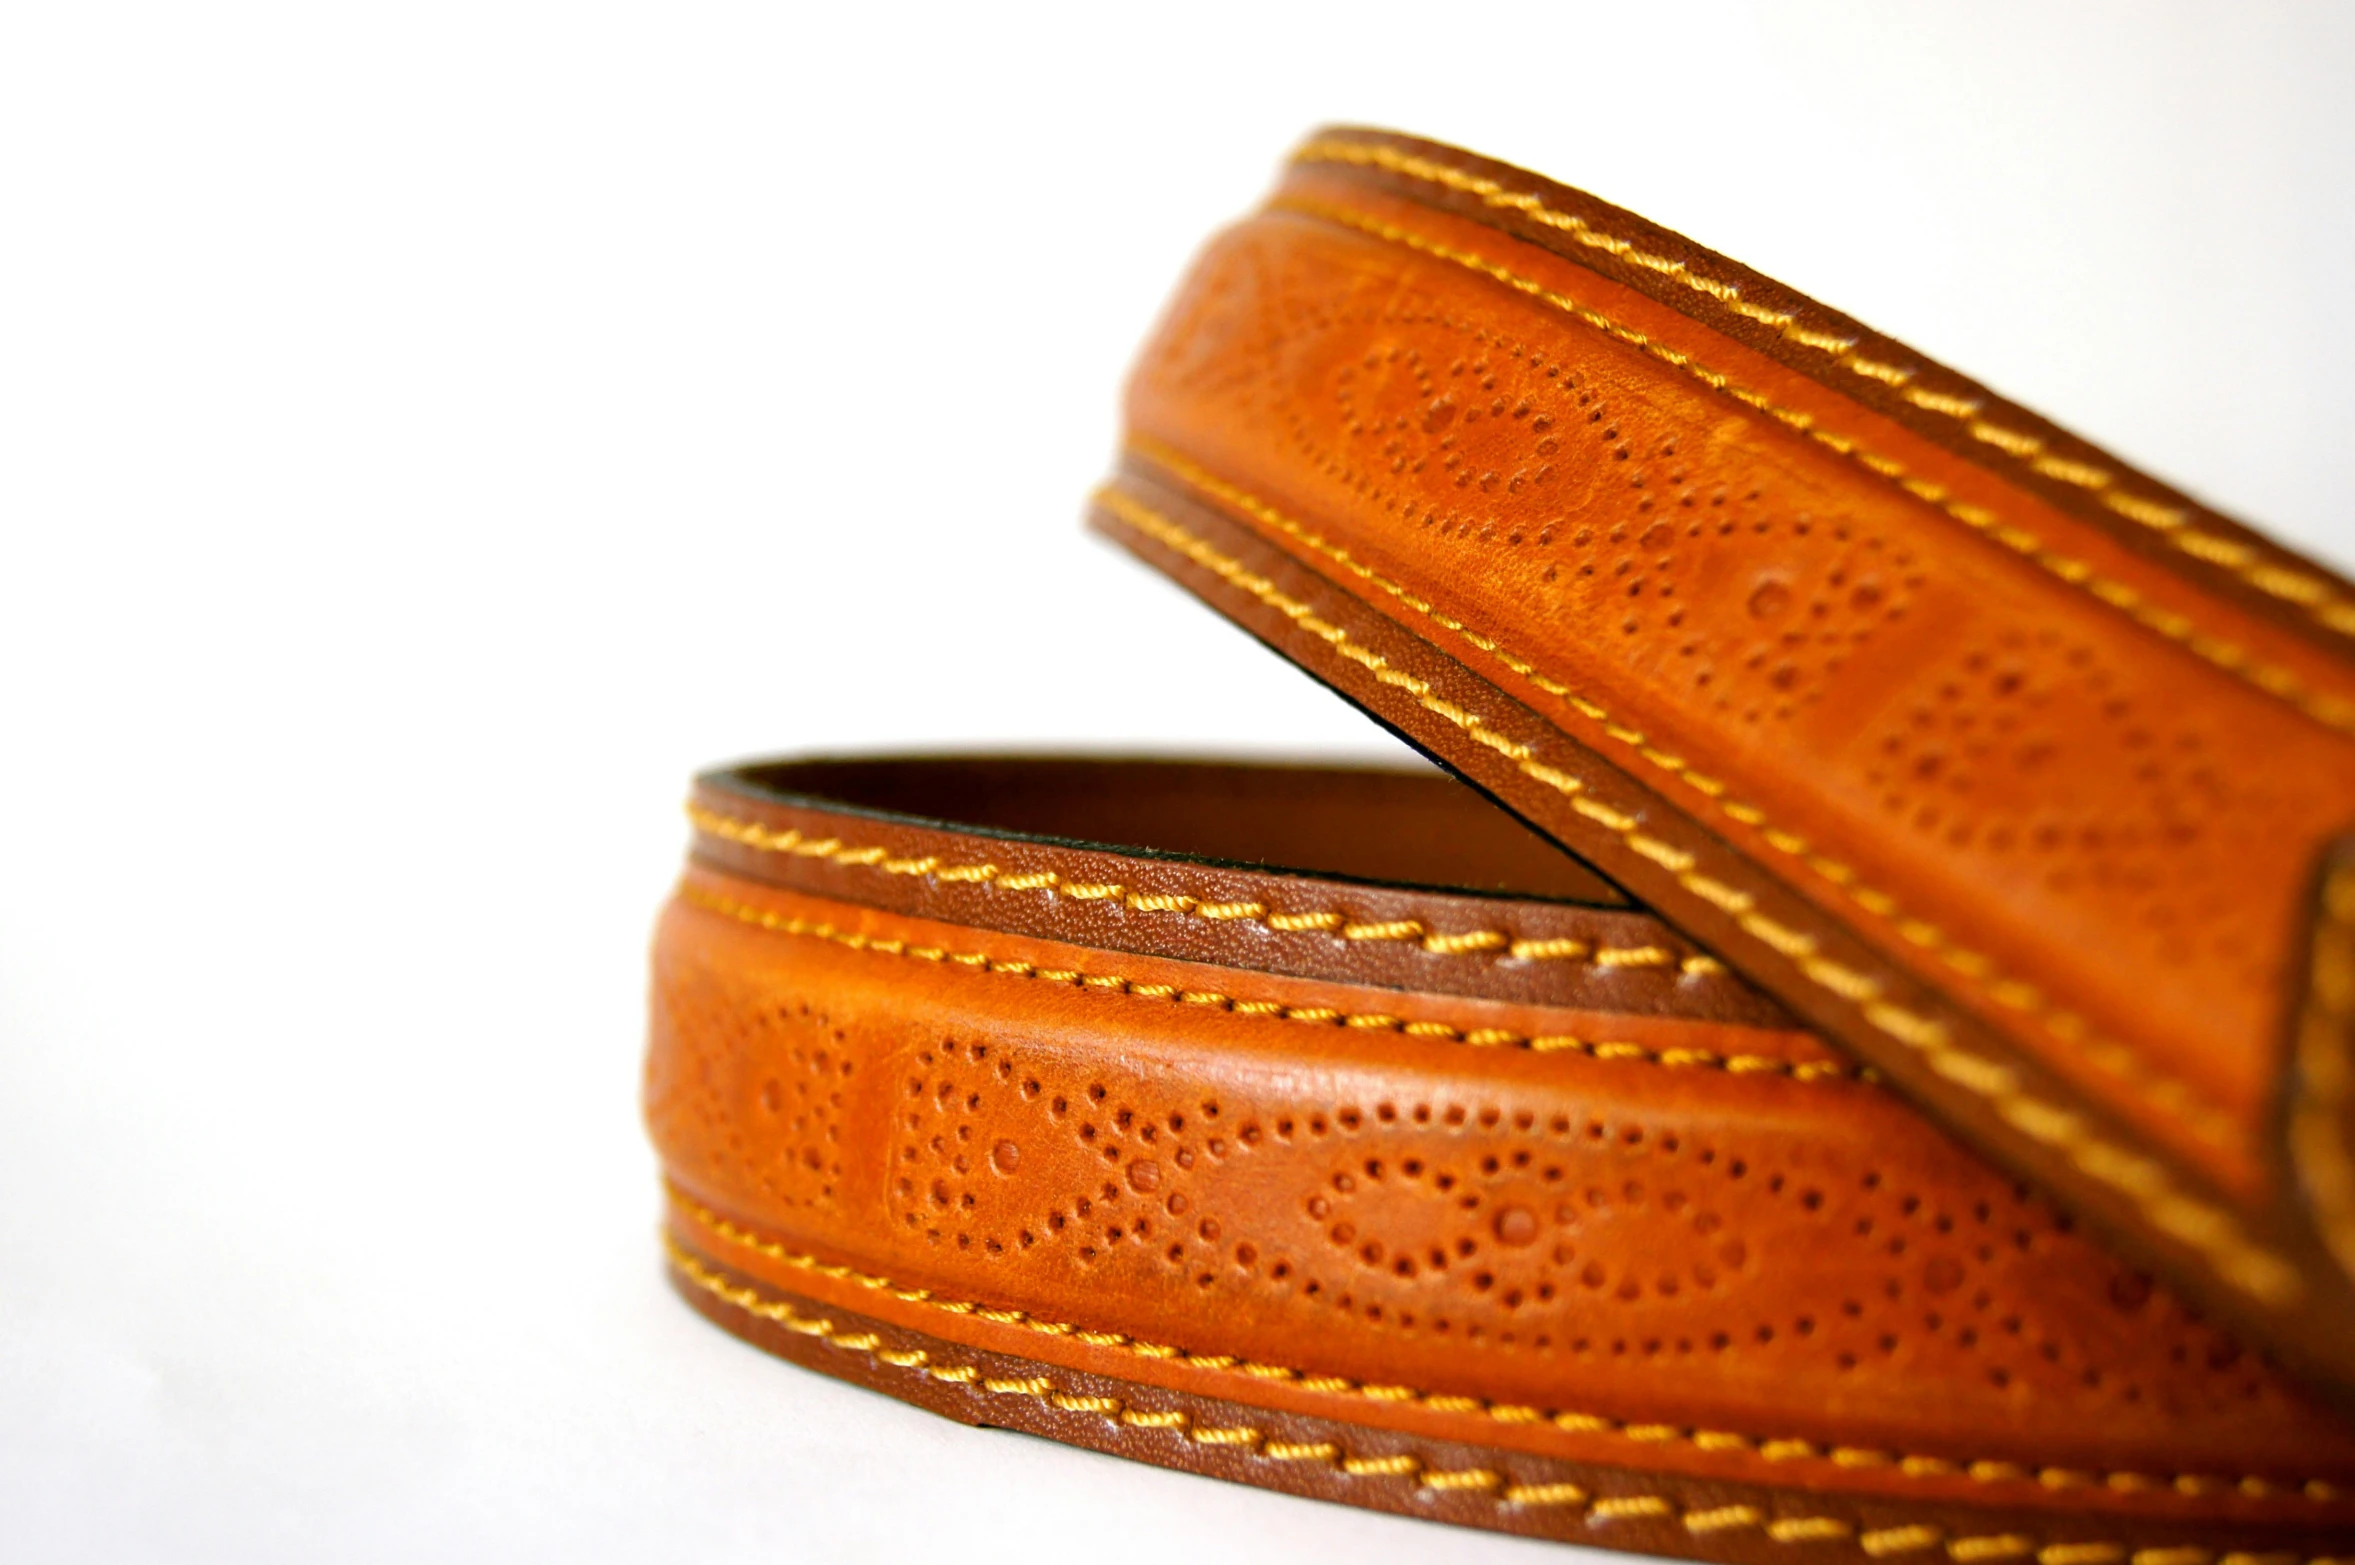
(1710, 1188)
(2018, 773)
(1359, 1143)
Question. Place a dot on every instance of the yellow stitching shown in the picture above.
(2313, 593)
(2002, 1546)
(1327, 1453)
(752, 834)
(1307, 1451)
(1807, 1529)
(1722, 1518)
(1538, 950)
(2163, 1092)
(1543, 1494)
(1503, 1413)
(2331, 711)
(1165, 903)
(1235, 1436)
(1899, 1540)
(2200, 1226)
(1113, 983)
(1142, 1420)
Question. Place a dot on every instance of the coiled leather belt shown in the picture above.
(1336, 1131)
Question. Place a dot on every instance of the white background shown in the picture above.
(428, 432)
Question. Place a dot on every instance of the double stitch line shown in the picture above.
(2333, 712)
(1373, 1021)
(1773, 1448)
(1483, 1481)
(2302, 588)
(794, 842)
(2163, 1092)
(1041, 1388)
(2201, 1226)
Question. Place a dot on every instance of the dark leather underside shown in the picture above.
(1400, 827)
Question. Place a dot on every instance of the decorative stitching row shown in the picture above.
(2202, 1226)
(2326, 1071)
(1319, 1015)
(752, 834)
(2166, 1093)
(1847, 1458)
(2313, 593)
(1775, 1449)
(2331, 711)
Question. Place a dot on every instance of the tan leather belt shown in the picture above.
(1337, 1132)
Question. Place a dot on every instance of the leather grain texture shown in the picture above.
(1508, 1206)
(2003, 765)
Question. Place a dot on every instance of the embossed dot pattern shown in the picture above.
(1495, 418)
(1567, 1237)
(1589, 1236)
(1741, 600)
(759, 1089)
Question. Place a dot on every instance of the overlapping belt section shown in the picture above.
(1561, 1265)
(1997, 761)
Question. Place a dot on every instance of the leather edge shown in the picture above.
(2315, 1129)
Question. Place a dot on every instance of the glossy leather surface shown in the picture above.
(1998, 762)
(1474, 1194)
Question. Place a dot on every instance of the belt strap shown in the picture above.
(1326, 1130)
(2018, 773)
